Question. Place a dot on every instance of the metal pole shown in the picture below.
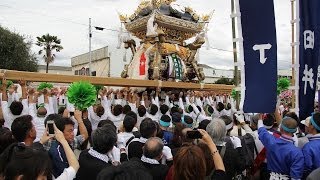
(90, 55)
(293, 53)
(235, 58)
(109, 72)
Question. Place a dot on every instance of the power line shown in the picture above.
(219, 49)
(102, 32)
(43, 14)
(54, 17)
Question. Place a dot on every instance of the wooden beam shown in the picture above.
(58, 78)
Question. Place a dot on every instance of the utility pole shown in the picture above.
(90, 37)
(109, 66)
(235, 58)
(90, 56)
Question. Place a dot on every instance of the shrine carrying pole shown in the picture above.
(119, 82)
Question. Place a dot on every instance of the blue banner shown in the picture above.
(260, 55)
(318, 101)
(309, 54)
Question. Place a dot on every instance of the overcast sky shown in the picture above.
(68, 19)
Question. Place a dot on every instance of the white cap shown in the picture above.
(306, 122)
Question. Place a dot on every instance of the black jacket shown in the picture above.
(90, 166)
(158, 171)
(135, 149)
(233, 160)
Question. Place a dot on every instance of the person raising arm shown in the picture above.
(218, 162)
(71, 171)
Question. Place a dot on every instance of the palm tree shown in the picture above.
(48, 44)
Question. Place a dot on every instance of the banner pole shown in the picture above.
(293, 53)
(235, 57)
(297, 53)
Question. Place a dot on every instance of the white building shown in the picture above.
(100, 63)
(285, 73)
(64, 70)
(105, 62)
(212, 75)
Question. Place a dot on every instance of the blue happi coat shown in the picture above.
(311, 152)
(283, 156)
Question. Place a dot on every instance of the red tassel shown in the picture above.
(142, 67)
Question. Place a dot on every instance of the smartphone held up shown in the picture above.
(194, 134)
(50, 128)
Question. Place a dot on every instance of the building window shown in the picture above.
(94, 73)
(87, 73)
(82, 72)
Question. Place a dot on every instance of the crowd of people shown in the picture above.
(156, 135)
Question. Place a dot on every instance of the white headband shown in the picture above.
(229, 126)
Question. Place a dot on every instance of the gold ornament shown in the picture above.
(189, 10)
(123, 18)
(168, 2)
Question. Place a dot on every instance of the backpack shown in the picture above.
(129, 140)
(249, 148)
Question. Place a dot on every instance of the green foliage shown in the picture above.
(224, 80)
(82, 95)
(15, 52)
(41, 105)
(282, 85)
(234, 94)
(44, 85)
(98, 87)
(9, 83)
(48, 44)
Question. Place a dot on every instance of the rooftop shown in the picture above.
(96, 55)
(57, 68)
(205, 66)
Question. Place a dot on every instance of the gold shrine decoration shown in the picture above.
(158, 3)
(174, 29)
(123, 17)
(193, 13)
(167, 48)
(205, 17)
(155, 4)
(167, 27)
(168, 1)
(171, 35)
(43, 77)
